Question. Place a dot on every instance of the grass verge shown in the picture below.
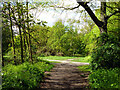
(84, 68)
(57, 57)
(86, 59)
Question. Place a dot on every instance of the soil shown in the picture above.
(66, 76)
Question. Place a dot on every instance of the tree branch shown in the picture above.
(112, 14)
(89, 11)
(34, 39)
(16, 22)
(92, 15)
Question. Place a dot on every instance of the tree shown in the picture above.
(12, 35)
(28, 28)
(102, 23)
(55, 33)
(16, 14)
(7, 30)
(39, 38)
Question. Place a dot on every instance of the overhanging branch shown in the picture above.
(92, 15)
(112, 14)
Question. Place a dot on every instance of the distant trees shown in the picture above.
(64, 40)
(56, 40)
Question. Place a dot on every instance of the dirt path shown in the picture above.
(69, 61)
(65, 76)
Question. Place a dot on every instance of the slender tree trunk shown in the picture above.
(24, 31)
(3, 64)
(12, 38)
(21, 43)
(24, 44)
(30, 50)
(26, 39)
(20, 32)
(1, 52)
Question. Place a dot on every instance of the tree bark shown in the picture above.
(12, 38)
(24, 32)
(30, 50)
(103, 18)
(20, 32)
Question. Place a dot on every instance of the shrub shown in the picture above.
(103, 78)
(78, 55)
(24, 76)
(107, 54)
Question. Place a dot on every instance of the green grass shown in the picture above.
(84, 68)
(54, 62)
(83, 59)
(77, 59)
(57, 57)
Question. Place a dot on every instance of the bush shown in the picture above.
(106, 55)
(24, 76)
(103, 78)
(78, 55)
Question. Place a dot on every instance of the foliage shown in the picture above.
(84, 68)
(15, 14)
(64, 40)
(24, 76)
(105, 78)
(6, 36)
(107, 54)
(39, 39)
(89, 39)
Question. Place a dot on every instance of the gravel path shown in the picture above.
(66, 76)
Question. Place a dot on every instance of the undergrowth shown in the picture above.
(105, 78)
(24, 76)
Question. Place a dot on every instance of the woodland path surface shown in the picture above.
(66, 76)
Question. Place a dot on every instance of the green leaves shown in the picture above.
(107, 54)
(24, 76)
(64, 39)
(103, 78)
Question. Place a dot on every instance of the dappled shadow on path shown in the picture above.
(65, 76)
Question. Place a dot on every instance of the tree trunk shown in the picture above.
(12, 38)
(24, 32)
(21, 43)
(20, 32)
(30, 50)
(103, 18)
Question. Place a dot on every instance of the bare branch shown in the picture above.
(111, 7)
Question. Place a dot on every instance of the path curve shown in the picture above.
(69, 61)
(66, 76)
